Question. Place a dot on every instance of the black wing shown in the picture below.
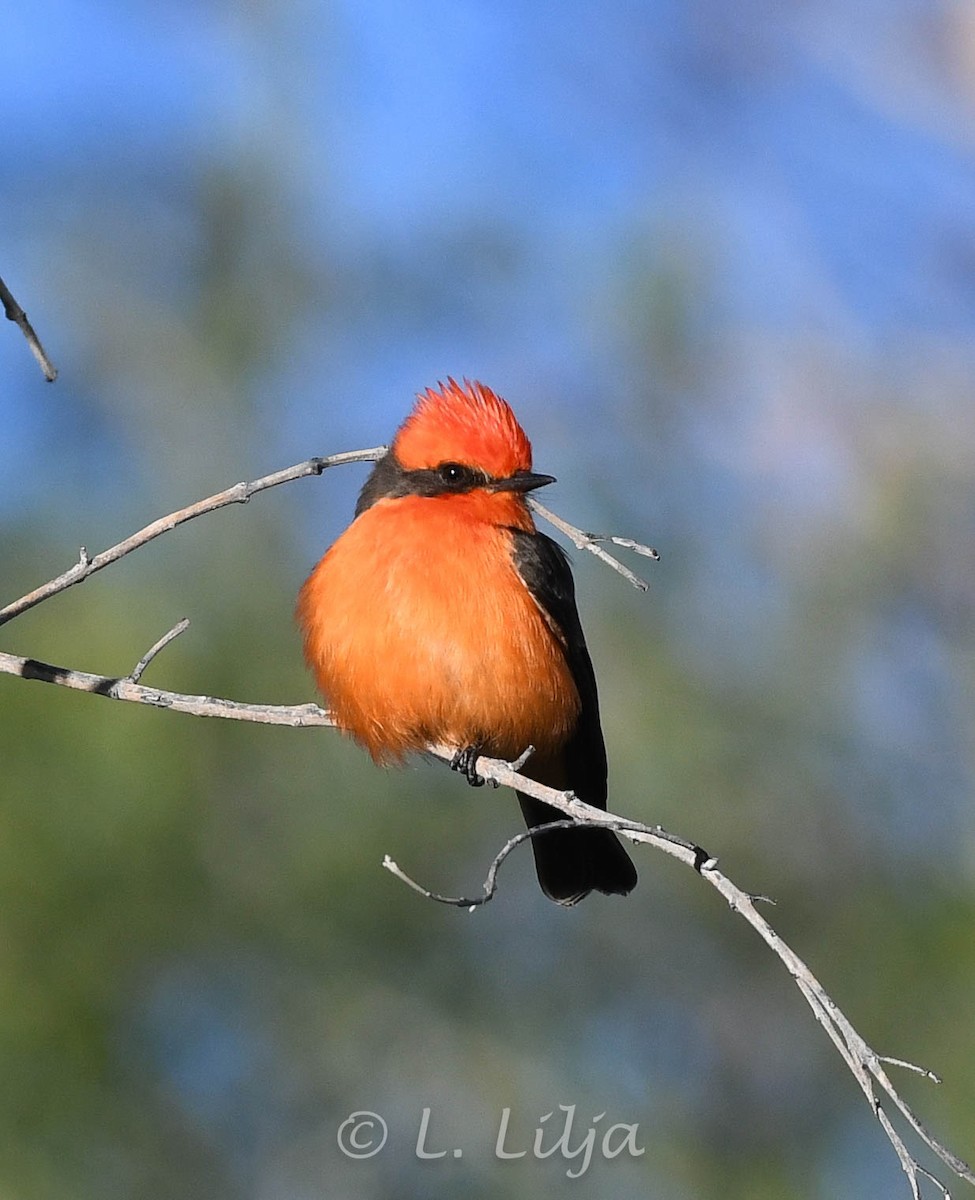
(571, 863)
(544, 567)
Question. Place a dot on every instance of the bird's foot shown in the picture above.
(464, 761)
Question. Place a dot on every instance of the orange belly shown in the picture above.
(419, 629)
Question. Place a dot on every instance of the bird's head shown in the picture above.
(460, 439)
(465, 423)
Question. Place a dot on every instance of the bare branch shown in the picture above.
(15, 313)
(240, 493)
(117, 687)
(590, 541)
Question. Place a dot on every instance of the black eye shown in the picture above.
(455, 474)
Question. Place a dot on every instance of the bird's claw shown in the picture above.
(464, 760)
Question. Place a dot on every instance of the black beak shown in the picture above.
(521, 481)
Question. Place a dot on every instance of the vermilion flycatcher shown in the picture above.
(442, 615)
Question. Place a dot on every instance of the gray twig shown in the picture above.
(490, 885)
(15, 313)
(240, 493)
(150, 654)
(591, 542)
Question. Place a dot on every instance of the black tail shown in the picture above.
(571, 863)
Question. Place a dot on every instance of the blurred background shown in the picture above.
(721, 260)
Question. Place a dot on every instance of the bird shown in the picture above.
(443, 616)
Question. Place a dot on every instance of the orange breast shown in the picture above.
(419, 629)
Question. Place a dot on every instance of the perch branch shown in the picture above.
(120, 687)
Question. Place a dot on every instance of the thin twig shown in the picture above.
(522, 758)
(15, 313)
(139, 669)
(490, 885)
(909, 1066)
(591, 542)
(627, 544)
(240, 493)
